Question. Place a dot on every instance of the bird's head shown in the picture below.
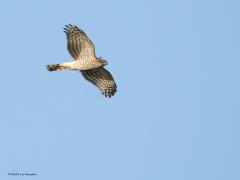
(102, 61)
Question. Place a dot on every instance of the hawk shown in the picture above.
(92, 68)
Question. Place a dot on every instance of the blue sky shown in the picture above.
(175, 115)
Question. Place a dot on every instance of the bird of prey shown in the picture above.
(92, 68)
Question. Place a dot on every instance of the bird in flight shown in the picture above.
(92, 68)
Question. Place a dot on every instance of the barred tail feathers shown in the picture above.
(55, 67)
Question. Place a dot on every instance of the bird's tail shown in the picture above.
(55, 67)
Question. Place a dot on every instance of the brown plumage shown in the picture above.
(92, 68)
(101, 78)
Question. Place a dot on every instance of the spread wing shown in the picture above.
(79, 45)
(101, 78)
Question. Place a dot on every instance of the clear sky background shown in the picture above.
(177, 110)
